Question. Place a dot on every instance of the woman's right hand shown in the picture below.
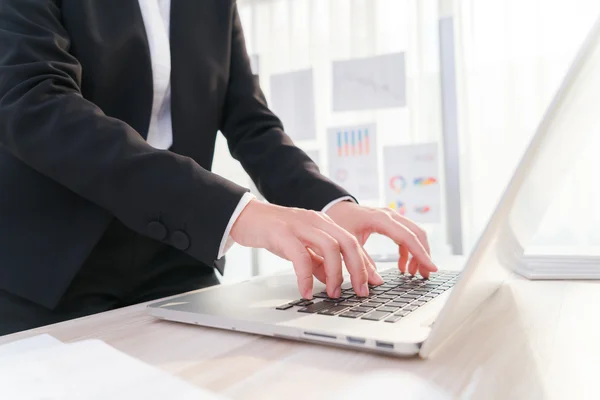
(311, 241)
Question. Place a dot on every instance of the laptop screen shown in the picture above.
(571, 119)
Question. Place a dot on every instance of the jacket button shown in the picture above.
(180, 240)
(156, 230)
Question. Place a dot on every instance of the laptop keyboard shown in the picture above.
(398, 296)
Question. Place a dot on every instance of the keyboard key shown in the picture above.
(370, 296)
(386, 296)
(371, 305)
(376, 316)
(393, 318)
(316, 307)
(304, 303)
(362, 309)
(409, 296)
(410, 308)
(285, 307)
(402, 300)
(338, 299)
(322, 295)
(331, 300)
(379, 291)
(379, 300)
(402, 313)
(351, 314)
(388, 309)
(428, 297)
(349, 303)
(437, 291)
(297, 302)
(396, 304)
(389, 286)
(396, 292)
(418, 303)
(431, 285)
(335, 310)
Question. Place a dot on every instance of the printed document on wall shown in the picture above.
(369, 83)
(293, 101)
(352, 152)
(413, 182)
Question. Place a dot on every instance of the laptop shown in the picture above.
(409, 316)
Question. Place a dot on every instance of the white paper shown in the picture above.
(30, 344)
(88, 370)
(555, 262)
(352, 152)
(369, 83)
(292, 100)
(378, 385)
(412, 181)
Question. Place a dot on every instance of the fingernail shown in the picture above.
(378, 279)
(308, 294)
(337, 293)
(364, 290)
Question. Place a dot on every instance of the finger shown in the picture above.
(374, 277)
(353, 253)
(296, 252)
(327, 247)
(412, 266)
(403, 261)
(318, 267)
(414, 228)
(388, 226)
(423, 271)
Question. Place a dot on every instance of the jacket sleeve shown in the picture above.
(47, 124)
(282, 172)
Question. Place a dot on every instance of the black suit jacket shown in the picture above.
(75, 104)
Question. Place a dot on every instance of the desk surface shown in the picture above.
(533, 340)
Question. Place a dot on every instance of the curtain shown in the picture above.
(290, 35)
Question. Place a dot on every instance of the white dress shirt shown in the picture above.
(157, 17)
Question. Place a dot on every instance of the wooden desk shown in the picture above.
(533, 340)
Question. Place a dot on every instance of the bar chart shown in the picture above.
(353, 160)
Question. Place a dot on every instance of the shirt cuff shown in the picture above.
(227, 241)
(334, 202)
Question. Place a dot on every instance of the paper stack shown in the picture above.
(560, 263)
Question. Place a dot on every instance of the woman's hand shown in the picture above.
(312, 241)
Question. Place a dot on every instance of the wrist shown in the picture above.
(341, 207)
(244, 215)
